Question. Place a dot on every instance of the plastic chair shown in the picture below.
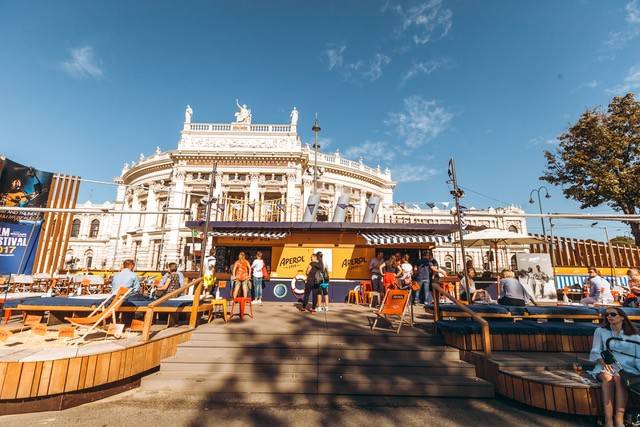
(222, 303)
(353, 296)
(242, 301)
(371, 295)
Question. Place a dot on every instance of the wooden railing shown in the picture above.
(486, 336)
(193, 316)
(569, 252)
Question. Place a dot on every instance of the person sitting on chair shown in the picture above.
(616, 325)
(634, 288)
(599, 289)
(125, 278)
(511, 290)
(171, 281)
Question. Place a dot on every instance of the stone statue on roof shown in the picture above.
(294, 117)
(243, 115)
(188, 113)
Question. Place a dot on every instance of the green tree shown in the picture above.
(622, 240)
(598, 159)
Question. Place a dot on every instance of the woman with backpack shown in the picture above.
(312, 284)
(241, 273)
(323, 286)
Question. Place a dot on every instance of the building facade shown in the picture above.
(259, 172)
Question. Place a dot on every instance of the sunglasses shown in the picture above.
(611, 314)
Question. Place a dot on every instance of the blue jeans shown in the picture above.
(425, 294)
(257, 287)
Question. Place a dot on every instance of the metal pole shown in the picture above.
(315, 128)
(457, 193)
(205, 238)
(611, 255)
(544, 232)
(115, 248)
(551, 246)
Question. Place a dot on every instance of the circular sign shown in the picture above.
(280, 291)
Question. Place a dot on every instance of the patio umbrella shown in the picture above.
(493, 237)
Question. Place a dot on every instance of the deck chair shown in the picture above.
(395, 303)
(100, 314)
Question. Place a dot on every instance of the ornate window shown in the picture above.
(513, 229)
(75, 228)
(94, 229)
(88, 258)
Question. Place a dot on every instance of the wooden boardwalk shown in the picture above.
(283, 350)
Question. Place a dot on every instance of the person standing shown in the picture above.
(171, 281)
(389, 271)
(423, 275)
(323, 286)
(434, 276)
(374, 271)
(311, 284)
(241, 273)
(125, 278)
(405, 273)
(257, 267)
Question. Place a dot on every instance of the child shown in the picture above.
(209, 280)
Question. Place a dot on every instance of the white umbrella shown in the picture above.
(493, 237)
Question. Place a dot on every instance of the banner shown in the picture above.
(18, 243)
(21, 186)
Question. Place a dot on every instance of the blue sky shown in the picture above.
(86, 86)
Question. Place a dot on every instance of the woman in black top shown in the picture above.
(310, 285)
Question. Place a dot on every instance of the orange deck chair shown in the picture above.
(395, 303)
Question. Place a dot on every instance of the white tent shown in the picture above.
(495, 236)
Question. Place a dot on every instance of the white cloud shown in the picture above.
(618, 39)
(325, 142)
(424, 67)
(371, 150)
(424, 21)
(539, 140)
(370, 70)
(633, 12)
(631, 82)
(421, 121)
(412, 173)
(335, 55)
(83, 64)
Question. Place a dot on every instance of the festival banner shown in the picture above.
(18, 243)
(21, 186)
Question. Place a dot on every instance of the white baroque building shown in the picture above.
(263, 172)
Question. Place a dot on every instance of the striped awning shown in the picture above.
(398, 238)
(568, 280)
(273, 235)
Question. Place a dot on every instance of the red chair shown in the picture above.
(365, 288)
(242, 301)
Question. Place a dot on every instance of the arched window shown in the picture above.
(514, 262)
(75, 228)
(94, 229)
(514, 229)
(88, 258)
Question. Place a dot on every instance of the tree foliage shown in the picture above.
(622, 240)
(598, 159)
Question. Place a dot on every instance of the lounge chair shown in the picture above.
(100, 314)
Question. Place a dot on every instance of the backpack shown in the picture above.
(174, 282)
(321, 276)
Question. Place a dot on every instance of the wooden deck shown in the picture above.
(285, 351)
(39, 379)
(541, 380)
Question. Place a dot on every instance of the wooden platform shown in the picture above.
(541, 380)
(285, 351)
(41, 379)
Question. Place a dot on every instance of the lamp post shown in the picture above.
(210, 200)
(316, 129)
(546, 196)
(611, 255)
(457, 194)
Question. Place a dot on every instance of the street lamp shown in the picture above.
(546, 196)
(316, 129)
